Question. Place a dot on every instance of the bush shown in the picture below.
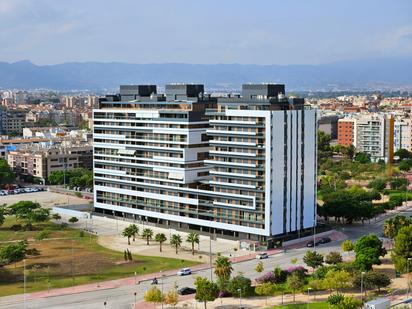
(81, 233)
(240, 283)
(16, 227)
(269, 277)
(42, 235)
(321, 272)
(300, 270)
(335, 299)
(333, 258)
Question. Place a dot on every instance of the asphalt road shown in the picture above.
(123, 297)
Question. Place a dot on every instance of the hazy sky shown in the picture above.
(204, 31)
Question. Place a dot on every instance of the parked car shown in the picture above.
(311, 244)
(325, 240)
(184, 272)
(186, 291)
(261, 256)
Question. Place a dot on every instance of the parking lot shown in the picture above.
(45, 198)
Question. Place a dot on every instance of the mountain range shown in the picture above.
(97, 76)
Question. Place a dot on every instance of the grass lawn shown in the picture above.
(320, 305)
(81, 256)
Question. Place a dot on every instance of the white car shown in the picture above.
(184, 272)
(262, 255)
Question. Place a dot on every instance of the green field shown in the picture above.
(72, 260)
(320, 305)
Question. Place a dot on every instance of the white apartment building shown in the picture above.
(402, 134)
(239, 166)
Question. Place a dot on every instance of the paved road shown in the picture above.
(123, 297)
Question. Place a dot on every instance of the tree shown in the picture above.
(403, 154)
(73, 220)
(265, 289)
(147, 234)
(373, 280)
(394, 224)
(402, 250)
(347, 246)
(6, 174)
(135, 230)
(176, 241)
(29, 212)
(337, 279)
(259, 267)
(56, 217)
(368, 250)
(362, 157)
(2, 216)
(153, 295)
(350, 302)
(313, 259)
(240, 286)
(223, 268)
(160, 238)
(398, 183)
(405, 165)
(294, 282)
(378, 184)
(171, 297)
(13, 252)
(127, 232)
(333, 258)
(193, 239)
(205, 290)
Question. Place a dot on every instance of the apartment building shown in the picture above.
(402, 134)
(41, 160)
(238, 166)
(372, 133)
(12, 121)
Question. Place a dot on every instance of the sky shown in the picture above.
(204, 31)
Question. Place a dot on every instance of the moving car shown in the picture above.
(262, 255)
(184, 272)
(186, 291)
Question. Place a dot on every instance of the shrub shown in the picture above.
(16, 227)
(42, 235)
(280, 275)
(300, 270)
(335, 299)
(269, 277)
(333, 258)
(81, 233)
(240, 283)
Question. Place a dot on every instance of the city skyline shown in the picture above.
(270, 32)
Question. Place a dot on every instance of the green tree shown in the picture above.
(205, 290)
(73, 220)
(403, 154)
(368, 250)
(402, 250)
(337, 279)
(398, 183)
(56, 217)
(333, 257)
(362, 157)
(313, 259)
(135, 230)
(347, 246)
(378, 184)
(240, 286)
(294, 282)
(223, 268)
(127, 232)
(405, 165)
(153, 295)
(350, 302)
(2, 216)
(265, 289)
(394, 224)
(176, 241)
(160, 238)
(147, 234)
(29, 212)
(259, 267)
(6, 174)
(324, 140)
(193, 238)
(372, 280)
(13, 252)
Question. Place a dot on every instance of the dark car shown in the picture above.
(310, 243)
(325, 240)
(186, 291)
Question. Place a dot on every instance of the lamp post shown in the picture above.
(361, 285)
(240, 297)
(308, 297)
(314, 234)
(135, 299)
(24, 282)
(135, 274)
(407, 278)
(161, 278)
(104, 304)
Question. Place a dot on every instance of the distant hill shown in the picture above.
(360, 74)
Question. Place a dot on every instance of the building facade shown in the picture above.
(240, 166)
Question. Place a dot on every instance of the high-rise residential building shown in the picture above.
(239, 166)
(12, 121)
(402, 134)
(372, 133)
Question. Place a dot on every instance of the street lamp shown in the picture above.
(308, 297)
(407, 278)
(361, 284)
(161, 278)
(24, 281)
(240, 297)
(135, 299)
(104, 304)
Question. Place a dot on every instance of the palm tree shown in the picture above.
(147, 234)
(223, 268)
(127, 232)
(176, 241)
(160, 238)
(193, 238)
(135, 230)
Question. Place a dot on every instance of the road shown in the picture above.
(123, 297)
